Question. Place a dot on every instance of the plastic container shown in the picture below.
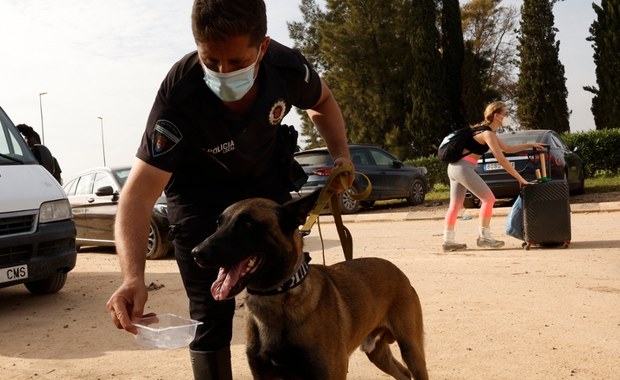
(166, 331)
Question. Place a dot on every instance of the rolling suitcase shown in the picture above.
(541, 213)
(546, 214)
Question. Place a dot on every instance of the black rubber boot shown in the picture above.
(211, 365)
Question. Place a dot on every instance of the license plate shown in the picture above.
(495, 166)
(18, 272)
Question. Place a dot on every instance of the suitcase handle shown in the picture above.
(545, 163)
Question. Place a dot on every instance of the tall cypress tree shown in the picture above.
(541, 88)
(605, 38)
(429, 120)
(452, 48)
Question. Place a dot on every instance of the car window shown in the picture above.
(85, 184)
(557, 142)
(312, 159)
(520, 138)
(101, 180)
(70, 187)
(382, 158)
(359, 157)
(121, 175)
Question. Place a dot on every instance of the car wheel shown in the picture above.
(367, 204)
(417, 193)
(471, 202)
(348, 205)
(581, 189)
(155, 248)
(48, 285)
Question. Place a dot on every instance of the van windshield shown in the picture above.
(13, 147)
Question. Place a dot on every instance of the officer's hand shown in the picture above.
(127, 305)
(336, 186)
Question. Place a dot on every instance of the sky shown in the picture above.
(100, 64)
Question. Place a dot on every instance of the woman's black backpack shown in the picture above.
(451, 148)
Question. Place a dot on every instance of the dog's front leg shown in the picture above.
(288, 363)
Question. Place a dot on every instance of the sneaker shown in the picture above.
(489, 242)
(452, 246)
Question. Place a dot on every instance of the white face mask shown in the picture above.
(506, 121)
(231, 86)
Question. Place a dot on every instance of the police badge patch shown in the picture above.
(165, 136)
(276, 114)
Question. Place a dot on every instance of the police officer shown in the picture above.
(214, 137)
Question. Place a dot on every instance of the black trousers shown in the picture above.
(216, 316)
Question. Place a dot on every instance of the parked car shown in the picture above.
(390, 177)
(565, 164)
(37, 233)
(94, 196)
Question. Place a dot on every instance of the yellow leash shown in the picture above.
(327, 196)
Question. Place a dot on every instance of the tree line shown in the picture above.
(408, 72)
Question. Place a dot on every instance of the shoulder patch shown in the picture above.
(165, 136)
(276, 114)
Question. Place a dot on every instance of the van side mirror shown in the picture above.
(44, 156)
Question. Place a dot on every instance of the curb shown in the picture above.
(577, 208)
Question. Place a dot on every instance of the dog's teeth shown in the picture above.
(250, 264)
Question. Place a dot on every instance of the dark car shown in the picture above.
(565, 164)
(390, 178)
(94, 196)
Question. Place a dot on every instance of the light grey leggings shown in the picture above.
(463, 177)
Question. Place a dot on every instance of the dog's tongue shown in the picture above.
(226, 280)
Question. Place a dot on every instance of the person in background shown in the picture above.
(32, 138)
(215, 136)
(463, 177)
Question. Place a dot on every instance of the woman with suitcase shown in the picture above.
(463, 176)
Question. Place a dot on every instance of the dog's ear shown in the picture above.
(295, 212)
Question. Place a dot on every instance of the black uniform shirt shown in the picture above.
(217, 157)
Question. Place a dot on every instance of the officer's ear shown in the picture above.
(263, 47)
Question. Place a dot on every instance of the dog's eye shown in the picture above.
(245, 223)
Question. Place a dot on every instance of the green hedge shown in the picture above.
(599, 150)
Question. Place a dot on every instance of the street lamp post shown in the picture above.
(102, 142)
(41, 109)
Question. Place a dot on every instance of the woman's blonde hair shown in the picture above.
(491, 110)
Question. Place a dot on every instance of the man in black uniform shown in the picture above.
(213, 137)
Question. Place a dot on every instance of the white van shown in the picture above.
(37, 232)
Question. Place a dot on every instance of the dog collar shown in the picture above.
(297, 279)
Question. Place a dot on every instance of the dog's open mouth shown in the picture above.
(231, 280)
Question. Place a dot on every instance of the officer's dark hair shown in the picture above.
(218, 20)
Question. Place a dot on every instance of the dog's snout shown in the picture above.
(201, 253)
